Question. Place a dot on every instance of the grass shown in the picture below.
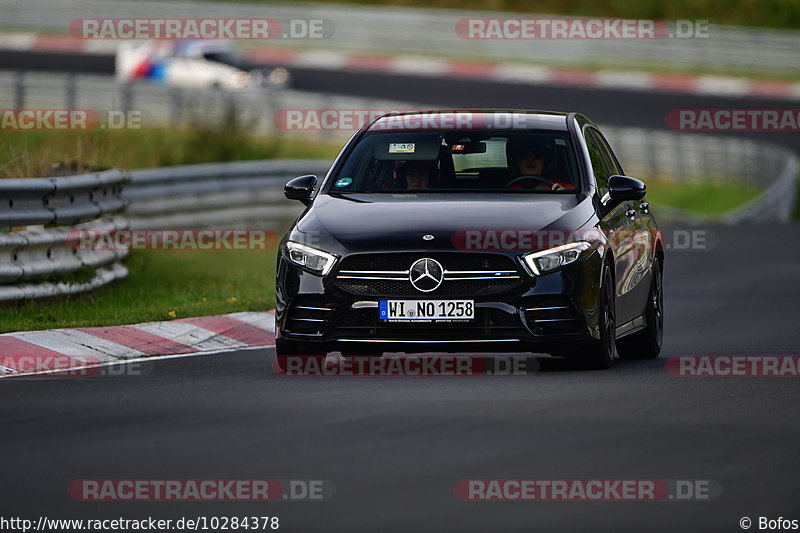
(162, 285)
(709, 198)
(27, 154)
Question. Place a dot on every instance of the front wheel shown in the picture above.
(646, 344)
(599, 354)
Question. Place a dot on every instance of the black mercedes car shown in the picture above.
(472, 232)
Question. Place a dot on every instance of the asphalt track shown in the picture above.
(395, 447)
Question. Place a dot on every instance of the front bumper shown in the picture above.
(555, 313)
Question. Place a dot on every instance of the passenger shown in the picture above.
(417, 173)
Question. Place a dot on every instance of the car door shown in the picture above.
(617, 226)
(641, 242)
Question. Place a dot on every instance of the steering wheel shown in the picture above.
(522, 179)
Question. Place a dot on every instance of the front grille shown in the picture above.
(450, 260)
(466, 274)
(487, 322)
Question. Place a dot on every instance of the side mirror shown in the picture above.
(300, 189)
(622, 188)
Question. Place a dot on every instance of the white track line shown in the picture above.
(622, 80)
(524, 74)
(326, 60)
(719, 85)
(419, 65)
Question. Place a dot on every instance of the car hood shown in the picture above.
(391, 222)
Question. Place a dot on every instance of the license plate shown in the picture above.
(427, 310)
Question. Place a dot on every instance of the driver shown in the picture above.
(529, 159)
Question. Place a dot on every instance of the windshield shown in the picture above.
(540, 162)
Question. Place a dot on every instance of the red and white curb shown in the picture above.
(33, 352)
(484, 70)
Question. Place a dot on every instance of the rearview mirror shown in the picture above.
(300, 189)
(622, 188)
(468, 148)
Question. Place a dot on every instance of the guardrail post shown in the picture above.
(705, 163)
(69, 91)
(652, 156)
(125, 97)
(327, 104)
(270, 108)
(19, 90)
(727, 170)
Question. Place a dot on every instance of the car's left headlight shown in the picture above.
(555, 258)
(316, 261)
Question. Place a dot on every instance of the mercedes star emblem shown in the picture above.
(427, 237)
(426, 274)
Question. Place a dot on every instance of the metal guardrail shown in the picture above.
(36, 261)
(216, 194)
(777, 202)
(693, 157)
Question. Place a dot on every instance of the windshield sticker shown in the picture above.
(401, 148)
(344, 182)
(561, 142)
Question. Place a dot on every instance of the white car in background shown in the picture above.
(192, 63)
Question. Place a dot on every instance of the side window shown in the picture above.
(608, 154)
(599, 165)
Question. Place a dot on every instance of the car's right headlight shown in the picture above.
(555, 258)
(311, 259)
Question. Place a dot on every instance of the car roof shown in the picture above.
(470, 119)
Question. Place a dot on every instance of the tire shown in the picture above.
(646, 344)
(599, 354)
(285, 353)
